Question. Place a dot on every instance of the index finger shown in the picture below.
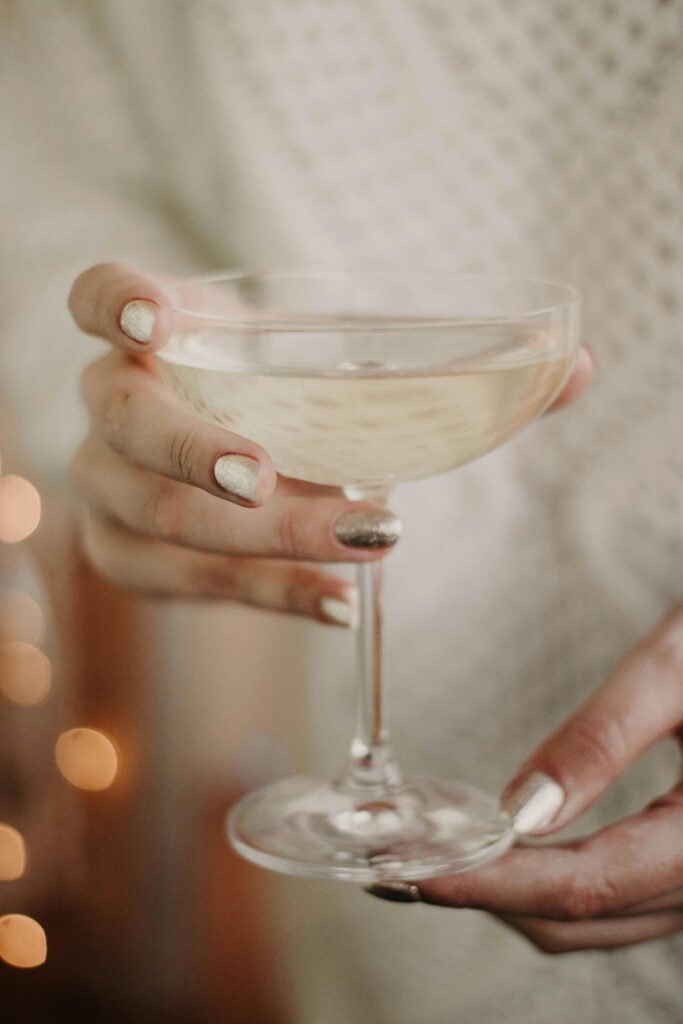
(126, 308)
(640, 702)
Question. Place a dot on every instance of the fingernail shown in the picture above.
(534, 803)
(396, 892)
(137, 320)
(368, 528)
(238, 475)
(342, 610)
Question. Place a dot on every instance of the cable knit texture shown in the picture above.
(538, 136)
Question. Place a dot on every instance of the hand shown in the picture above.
(178, 507)
(624, 884)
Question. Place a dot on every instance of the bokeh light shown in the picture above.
(12, 854)
(19, 509)
(21, 617)
(25, 672)
(22, 941)
(87, 758)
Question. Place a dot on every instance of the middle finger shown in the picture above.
(323, 528)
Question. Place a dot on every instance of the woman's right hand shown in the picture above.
(181, 508)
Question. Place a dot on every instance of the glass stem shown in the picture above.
(369, 702)
(371, 767)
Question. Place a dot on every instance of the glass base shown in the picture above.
(423, 828)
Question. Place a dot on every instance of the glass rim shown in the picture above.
(569, 297)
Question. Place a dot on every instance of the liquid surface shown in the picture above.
(367, 425)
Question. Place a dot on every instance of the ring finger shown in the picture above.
(291, 525)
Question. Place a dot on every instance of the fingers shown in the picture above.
(291, 525)
(558, 937)
(122, 306)
(579, 380)
(153, 567)
(636, 860)
(640, 702)
(142, 421)
(672, 900)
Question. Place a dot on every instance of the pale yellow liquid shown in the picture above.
(369, 428)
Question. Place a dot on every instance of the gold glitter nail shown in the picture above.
(368, 528)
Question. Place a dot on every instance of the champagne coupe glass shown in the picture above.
(364, 380)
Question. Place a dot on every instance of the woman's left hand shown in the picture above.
(624, 884)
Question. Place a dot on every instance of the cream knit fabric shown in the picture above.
(528, 135)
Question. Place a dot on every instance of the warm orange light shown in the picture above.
(12, 854)
(22, 941)
(25, 672)
(20, 617)
(87, 758)
(19, 509)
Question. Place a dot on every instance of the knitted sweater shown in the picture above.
(538, 136)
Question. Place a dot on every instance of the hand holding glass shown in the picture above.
(362, 381)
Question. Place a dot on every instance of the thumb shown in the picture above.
(641, 701)
(122, 306)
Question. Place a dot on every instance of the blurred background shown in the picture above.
(113, 793)
(526, 135)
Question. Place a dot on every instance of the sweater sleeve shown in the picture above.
(80, 183)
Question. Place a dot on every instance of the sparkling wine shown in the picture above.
(366, 425)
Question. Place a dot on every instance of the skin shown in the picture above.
(624, 884)
(157, 522)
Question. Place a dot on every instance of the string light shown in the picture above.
(25, 672)
(22, 941)
(87, 758)
(12, 854)
(19, 509)
(25, 677)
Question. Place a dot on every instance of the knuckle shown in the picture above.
(213, 577)
(182, 454)
(584, 897)
(290, 533)
(599, 744)
(296, 588)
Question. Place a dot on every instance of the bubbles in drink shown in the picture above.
(365, 423)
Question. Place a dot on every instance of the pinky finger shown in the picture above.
(603, 933)
(164, 570)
